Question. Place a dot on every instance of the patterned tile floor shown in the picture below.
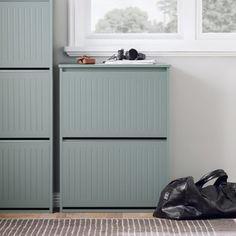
(120, 224)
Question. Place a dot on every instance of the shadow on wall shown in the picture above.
(197, 123)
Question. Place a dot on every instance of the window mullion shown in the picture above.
(81, 9)
(71, 22)
(188, 19)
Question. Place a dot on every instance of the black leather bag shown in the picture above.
(182, 199)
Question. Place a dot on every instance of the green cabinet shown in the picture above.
(124, 102)
(112, 173)
(25, 33)
(26, 105)
(114, 136)
(25, 168)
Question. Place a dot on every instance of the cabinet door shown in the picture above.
(25, 104)
(25, 33)
(25, 174)
(114, 102)
(113, 173)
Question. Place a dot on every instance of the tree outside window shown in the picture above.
(218, 16)
(133, 19)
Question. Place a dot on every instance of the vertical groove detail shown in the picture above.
(24, 105)
(116, 103)
(23, 42)
(25, 171)
(112, 173)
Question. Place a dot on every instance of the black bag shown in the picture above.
(182, 199)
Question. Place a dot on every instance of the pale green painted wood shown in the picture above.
(25, 169)
(67, 67)
(26, 42)
(113, 173)
(25, 34)
(25, 104)
(114, 102)
(51, 128)
(88, 165)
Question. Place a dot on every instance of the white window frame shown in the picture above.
(188, 41)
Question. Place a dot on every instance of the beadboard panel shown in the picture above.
(114, 102)
(25, 34)
(25, 174)
(113, 173)
(25, 104)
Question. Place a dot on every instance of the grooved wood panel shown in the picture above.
(25, 104)
(113, 173)
(25, 174)
(25, 34)
(114, 102)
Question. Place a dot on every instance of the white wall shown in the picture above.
(202, 107)
(202, 115)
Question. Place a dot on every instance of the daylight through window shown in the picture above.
(134, 16)
(155, 27)
(218, 16)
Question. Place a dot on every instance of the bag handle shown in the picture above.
(219, 174)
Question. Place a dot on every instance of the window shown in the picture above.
(219, 16)
(134, 16)
(217, 19)
(155, 27)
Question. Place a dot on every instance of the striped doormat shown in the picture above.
(110, 227)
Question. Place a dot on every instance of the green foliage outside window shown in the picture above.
(135, 20)
(219, 16)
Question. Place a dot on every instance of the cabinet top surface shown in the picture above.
(159, 65)
(14, 1)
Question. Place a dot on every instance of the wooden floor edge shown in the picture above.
(73, 215)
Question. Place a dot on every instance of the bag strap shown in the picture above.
(219, 174)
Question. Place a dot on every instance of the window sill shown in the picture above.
(76, 51)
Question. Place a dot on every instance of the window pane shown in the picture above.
(219, 16)
(134, 16)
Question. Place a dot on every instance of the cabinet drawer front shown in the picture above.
(25, 34)
(113, 173)
(25, 174)
(114, 102)
(25, 104)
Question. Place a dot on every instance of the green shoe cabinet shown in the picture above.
(113, 136)
(26, 105)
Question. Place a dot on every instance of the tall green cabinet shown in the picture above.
(114, 136)
(26, 105)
